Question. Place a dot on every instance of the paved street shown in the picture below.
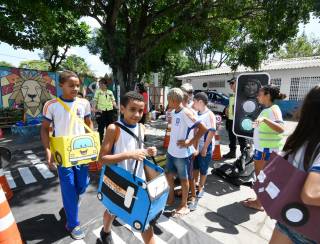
(36, 205)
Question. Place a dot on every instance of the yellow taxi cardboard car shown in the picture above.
(71, 150)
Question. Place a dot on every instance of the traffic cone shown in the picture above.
(5, 186)
(167, 137)
(9, 232)
(94, 166)
(216, 155)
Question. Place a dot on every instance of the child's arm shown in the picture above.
(88, 122)
(106, 156)
(277, 127)
(211, 134)
(44, 132)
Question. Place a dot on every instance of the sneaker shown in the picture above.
(106, 238)
(77, 233)
(193, 205)
(200, 194)
(229, 155)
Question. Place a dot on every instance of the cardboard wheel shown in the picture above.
(58, 157)
(295, 214)
(99, 196)
(137, 225)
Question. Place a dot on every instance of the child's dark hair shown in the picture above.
(129, 96)
(274, 92)
(103, 81)
(308, 129)
(65, 75)
(202, 97)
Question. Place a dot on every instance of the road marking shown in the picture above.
(10, 179)
(44, 171)
(78, 242)
(115, 237)
(32, 156)
(169, 225)
(138, 234)
(35, 161)
(26, 175)
(28, 152)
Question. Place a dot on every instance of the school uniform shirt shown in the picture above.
(209, 120)
(297, 159)
(61, 119)
(181, 125)
(274, 115)
(125, 143)
(192, 132)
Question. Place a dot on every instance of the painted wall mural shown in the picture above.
(30, 88)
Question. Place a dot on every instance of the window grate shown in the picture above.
(300, 86)
(216, 84)
(276, 82)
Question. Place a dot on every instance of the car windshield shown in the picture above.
(82, 143)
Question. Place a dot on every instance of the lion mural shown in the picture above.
(31, 91)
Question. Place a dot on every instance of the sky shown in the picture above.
(15, 56)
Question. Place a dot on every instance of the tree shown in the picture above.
(4, 63)
(301, 46)
(40, 24)
(35, 64)
(77, 65)
(132, 30)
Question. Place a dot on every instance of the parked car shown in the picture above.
(217, 101)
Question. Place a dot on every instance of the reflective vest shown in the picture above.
(231, 107)
(268, 138)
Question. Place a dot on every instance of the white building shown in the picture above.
(294, 76)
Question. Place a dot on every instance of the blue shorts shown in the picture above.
(180, 166)
(265, 155)
(295, 237)
(202, 163)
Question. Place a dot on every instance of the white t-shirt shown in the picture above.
(54, 112)
(209, 120)
(181, 125)
(126, 143)
(274, 115)
(297, 159)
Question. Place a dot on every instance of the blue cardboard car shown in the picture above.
(135, 201)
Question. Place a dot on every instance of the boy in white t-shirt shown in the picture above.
(121, 148)
(202, 160)
(73, 180)
(179, 150)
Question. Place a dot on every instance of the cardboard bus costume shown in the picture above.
(71, 150)
(135, 201)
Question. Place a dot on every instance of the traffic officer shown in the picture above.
(103, 105)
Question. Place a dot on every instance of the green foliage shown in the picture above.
(35, 64)
(6, 64)
(76, 64)
(301, 46)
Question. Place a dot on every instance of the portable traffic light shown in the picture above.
(247, 108)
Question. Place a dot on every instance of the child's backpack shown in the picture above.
(240, 172)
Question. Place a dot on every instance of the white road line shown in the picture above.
(115, 237)
(45, 172)
(10, 179)
(28, 152)
(32, 156)
(26, 175)
(35, 161)
(78, 242)
(138, 234)
(169, 225)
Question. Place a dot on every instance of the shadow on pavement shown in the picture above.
(226, 226)
(218, 187)
(43, 228)
(236, 213)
